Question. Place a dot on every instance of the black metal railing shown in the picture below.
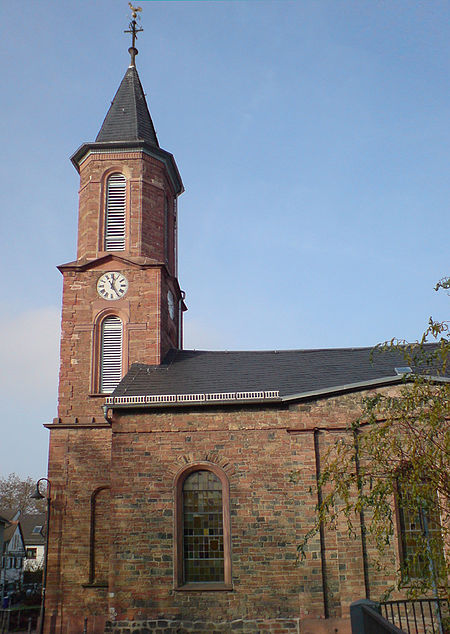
(418, 616)
(366, 618)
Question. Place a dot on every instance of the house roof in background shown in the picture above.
(9, 514)
(9, 532)
(29, 522)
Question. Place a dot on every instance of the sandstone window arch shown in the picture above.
(202, 528)
(111, 353)
(99, 549)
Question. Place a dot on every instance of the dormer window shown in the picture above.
(115, 213)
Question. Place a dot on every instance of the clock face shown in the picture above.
(171, 304)
(112, 285)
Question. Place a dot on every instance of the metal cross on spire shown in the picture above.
(132, 28)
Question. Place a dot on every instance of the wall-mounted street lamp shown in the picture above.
(37, 495)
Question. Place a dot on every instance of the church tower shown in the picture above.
(121, 304)
(121, 299)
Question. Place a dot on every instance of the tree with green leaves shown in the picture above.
(394, 464)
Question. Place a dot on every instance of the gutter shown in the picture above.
(177, 400)
(250, 398)
(347, 387)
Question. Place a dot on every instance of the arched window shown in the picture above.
(203, 528)
(115, 213)
(420, 531)
(111, 353)
(99, 555)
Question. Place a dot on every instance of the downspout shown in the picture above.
(106, 409)
(361, 518)
(326, 610)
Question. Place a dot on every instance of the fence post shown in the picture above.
(357, 614)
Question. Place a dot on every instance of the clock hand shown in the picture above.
(113, 284)
(110, 280)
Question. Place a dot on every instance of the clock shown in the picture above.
(112, 285)
(171, 304)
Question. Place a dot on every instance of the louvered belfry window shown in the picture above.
(110, 354)
(115, 213)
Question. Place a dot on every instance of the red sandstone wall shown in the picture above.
(147, 184)
(148, 331)
(79, 462)
(257, 448)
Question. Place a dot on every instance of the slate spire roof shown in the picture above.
(128, 118)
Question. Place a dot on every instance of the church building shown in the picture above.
(173, 508)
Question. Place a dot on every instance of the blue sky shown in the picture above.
(313, 142)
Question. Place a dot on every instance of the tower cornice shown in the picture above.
(85, 264)
(105, 147)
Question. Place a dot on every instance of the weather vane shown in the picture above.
(132, 28)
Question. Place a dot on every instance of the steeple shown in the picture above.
(128, 126)
(128, 118)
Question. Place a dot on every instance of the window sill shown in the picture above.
(97, 394)
(204, 587)
(94, 585)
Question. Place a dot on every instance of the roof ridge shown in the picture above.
(276, 350)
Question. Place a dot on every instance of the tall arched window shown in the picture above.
(115, 213)
(420, 530)
(99, 555)
(111, 353)
(203, 528)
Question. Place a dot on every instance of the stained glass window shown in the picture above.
(421, 536)
(203, 528)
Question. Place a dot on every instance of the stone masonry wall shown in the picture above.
(166, 626)
(258, 448)
(79, 464)
(138, 457)
(147, 186)
(148, 331)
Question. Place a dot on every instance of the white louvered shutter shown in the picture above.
(111, 354)
(115, 213)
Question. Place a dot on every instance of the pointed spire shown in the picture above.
(128, 118)
(128, 123)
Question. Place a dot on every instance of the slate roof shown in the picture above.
(128, 118)
(292, 372)
(9, 514)
(28, 521)
(9, 534)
